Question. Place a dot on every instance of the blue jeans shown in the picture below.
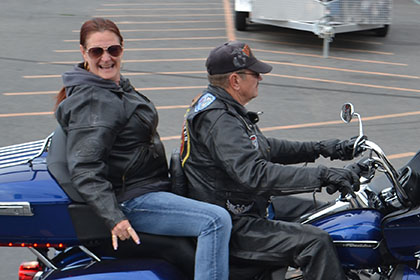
(166, 213)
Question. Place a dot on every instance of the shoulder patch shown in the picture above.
(204, 102)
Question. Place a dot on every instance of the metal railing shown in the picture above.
(23, 153)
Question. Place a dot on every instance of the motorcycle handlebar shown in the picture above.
(360, 167)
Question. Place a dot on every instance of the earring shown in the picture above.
(86, 66)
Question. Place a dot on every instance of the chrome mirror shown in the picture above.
(347, 112)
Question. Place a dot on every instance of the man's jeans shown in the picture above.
(166, 213)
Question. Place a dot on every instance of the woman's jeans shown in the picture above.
(166, 213)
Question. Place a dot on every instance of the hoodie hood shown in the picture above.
(80, 76)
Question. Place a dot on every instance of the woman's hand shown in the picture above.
(123, 231)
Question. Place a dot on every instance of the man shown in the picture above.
(229, 162)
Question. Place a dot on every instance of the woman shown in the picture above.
(117, 161)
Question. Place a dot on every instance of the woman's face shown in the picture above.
(105, 66)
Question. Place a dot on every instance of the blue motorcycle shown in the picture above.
(375, 229)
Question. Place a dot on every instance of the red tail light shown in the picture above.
(35, 245)
(27, 270)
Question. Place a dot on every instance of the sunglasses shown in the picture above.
(255, 74)
(97, 52)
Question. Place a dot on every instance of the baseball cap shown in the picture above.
(233, 56)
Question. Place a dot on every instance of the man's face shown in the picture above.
(248, 85)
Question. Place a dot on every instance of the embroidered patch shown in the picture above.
(238, 209)
(241, 56)
(204, 102)
(254, 141)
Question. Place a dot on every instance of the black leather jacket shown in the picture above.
(229, 162)
(113, 150)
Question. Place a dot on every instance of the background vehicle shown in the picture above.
(322, 17)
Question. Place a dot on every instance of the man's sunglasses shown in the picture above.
(255, 74)
(97, 52)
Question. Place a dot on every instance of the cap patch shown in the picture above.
(246, 50)
(239, 58)
(204, 102)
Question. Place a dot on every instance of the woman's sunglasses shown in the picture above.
(97, 52)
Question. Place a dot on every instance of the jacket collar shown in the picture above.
(223, 95)
(79, 76)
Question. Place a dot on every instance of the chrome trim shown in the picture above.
(390, 171)
(38, 275)
(417, 256)
(89, 253)
(42, 258)
(15, 209)
(357, 243)
(23, 153)
(337, 206)
(21, 146)
(361, 199)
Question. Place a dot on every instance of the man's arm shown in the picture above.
(232, 151)
(290, 152)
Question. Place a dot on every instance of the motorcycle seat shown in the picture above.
(178, 178)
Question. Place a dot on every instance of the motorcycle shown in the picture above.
(374, 229)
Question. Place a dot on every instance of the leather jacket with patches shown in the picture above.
(113, 150)
(229, 162)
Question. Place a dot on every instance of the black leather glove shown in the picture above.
(336, 149)
(340, 179)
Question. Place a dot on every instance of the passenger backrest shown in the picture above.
(179, 180)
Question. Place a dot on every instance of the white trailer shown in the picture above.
(324, 18)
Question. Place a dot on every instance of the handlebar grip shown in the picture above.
(355, 167)
(361, 167)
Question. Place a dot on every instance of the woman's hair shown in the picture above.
(89, 27)
(98, 25)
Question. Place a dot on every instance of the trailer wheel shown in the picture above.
(382, 32)
(240, 20)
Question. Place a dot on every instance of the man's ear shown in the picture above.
(234, 81)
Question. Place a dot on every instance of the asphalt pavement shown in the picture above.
(166, 44)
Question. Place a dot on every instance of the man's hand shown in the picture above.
(123, 231)
(341, 179)
(336, 149)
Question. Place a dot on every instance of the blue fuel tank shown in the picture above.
(356, 235)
